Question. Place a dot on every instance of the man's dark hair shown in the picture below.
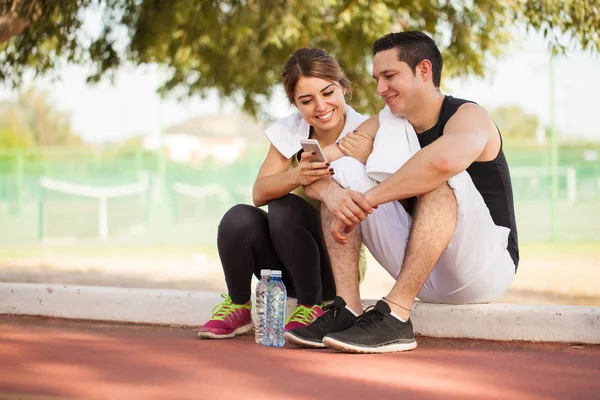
(413, 47)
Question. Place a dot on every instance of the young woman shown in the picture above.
(289, 237)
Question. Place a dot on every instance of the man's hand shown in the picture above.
(358, 145)
(348, 206)
(337, 230)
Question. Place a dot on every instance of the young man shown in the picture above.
(459, 245)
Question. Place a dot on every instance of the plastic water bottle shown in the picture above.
(260, 307)
(275, 316)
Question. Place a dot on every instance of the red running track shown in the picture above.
(43, 359)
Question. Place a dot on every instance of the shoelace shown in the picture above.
(331, 311)
(224, 309)
(332, 306)
(302, 314)
(370, 317)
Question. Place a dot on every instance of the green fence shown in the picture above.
(140, 197)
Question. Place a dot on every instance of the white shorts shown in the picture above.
(476, 267)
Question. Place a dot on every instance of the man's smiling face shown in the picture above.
(397, 84)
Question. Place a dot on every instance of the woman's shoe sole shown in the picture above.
(239, 331)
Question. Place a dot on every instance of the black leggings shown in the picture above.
(287, 238)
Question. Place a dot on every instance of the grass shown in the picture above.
(564, 248)
(102, 251)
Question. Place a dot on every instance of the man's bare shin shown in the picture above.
(344, 262)
(433, 225)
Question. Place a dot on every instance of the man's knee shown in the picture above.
(351, 174)
(459, 192)
(441, 195)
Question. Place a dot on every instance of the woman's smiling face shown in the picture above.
(320, 102)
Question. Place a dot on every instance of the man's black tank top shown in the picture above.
(491, 178)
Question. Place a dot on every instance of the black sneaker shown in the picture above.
(337, 318)
(376, 331)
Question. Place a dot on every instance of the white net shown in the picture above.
(77, 205)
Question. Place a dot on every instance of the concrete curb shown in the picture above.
(175, 307)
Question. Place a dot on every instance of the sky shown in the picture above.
(522, 77)
(109, 112)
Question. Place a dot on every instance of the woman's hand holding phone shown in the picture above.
(308, 172)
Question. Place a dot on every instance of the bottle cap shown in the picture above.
(275, 273)
(264, 272)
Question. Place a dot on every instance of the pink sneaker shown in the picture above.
(228, 320)
(303, 316)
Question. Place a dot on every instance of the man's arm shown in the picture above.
(465, 137)
(318, 189)
(345, 204)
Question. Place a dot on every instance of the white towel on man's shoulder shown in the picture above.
(396, 141)
(285, 133)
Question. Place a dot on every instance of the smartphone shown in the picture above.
(311, 145)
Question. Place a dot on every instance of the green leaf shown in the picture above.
(238, 48)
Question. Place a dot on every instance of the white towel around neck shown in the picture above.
(396, 141)
(285, 133)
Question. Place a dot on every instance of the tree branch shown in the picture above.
(13, 22)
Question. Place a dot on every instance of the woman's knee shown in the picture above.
(286, 211)
(241, 218)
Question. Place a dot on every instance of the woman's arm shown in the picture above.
(357, 144)
(275, 178)
(332, 152)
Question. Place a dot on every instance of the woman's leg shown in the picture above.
(245, 248)
(296, 234)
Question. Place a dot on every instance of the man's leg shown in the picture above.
(385, 329)
(346, 307)
(455, 254)
(385, 233)
(344, 262)
(434, 223)
(476, 266)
